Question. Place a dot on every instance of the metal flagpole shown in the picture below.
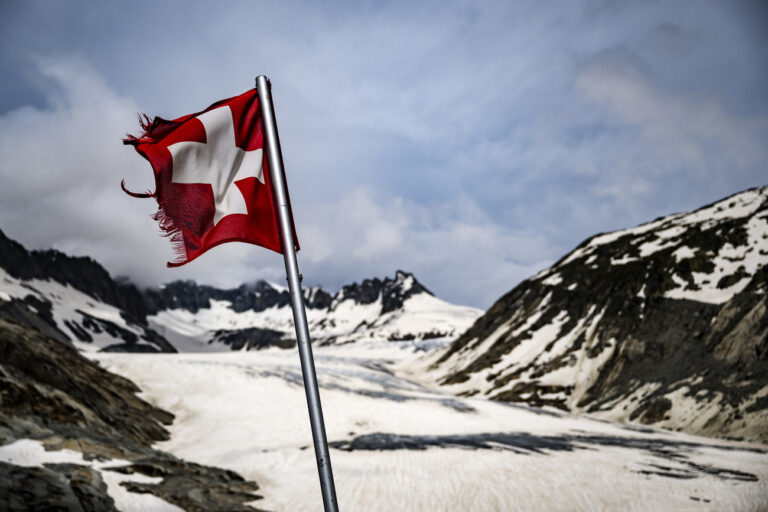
(276, 175)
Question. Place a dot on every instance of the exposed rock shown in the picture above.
(192, 297)
(393, 292)
(193, 487)
(73, 299)
(81, 273)
(34, 314)
(262, 295)
(65, 487)
(51, 385)
(253, 338)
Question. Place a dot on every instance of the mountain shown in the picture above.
(77, 299)
(664, 324)
(259, 314)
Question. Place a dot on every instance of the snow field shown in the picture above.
(246, 411)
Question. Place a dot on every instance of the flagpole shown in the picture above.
(277, 177)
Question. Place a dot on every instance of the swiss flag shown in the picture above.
(211, 177)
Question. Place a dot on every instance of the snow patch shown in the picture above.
(682, 253)
(553, 280)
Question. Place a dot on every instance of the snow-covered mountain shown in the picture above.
(76, 300)
(664, 324)
(259, 314)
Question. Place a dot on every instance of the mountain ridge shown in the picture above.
(81, 303)
(81, 272)
(261, 294)
(393, 308)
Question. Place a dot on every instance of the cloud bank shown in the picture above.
(472, 145)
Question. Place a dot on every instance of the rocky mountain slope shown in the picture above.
(77, 299)
(663, 324)
(258, 315)
(76, 437)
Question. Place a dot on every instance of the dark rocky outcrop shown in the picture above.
(61, 487)
(261, 295)
(193, 487)
(257, 296)
(48, 385)
(253, 338)
(193, 297)
(393, 292)
(81, 273)
(34, 314)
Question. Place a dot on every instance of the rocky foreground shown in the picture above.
(53, 396)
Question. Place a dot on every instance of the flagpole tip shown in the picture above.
(263, 78)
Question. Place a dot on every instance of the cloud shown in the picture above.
(61, 172)
(469, 145)
(63, 166)
(454, 248)
(690, 132)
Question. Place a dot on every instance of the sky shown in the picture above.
(471, 143)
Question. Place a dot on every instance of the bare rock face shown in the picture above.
(193, 297)
(261, 295)
(49, 384)
(193, 487)
(50, 393)
(392, 291)
(253, 338)
(54, 487)
(82, 273)
(663, 324)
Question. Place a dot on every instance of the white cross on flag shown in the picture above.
(212, 184)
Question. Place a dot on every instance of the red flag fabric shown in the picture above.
(212, 182)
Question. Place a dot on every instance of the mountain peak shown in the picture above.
(392, 292)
